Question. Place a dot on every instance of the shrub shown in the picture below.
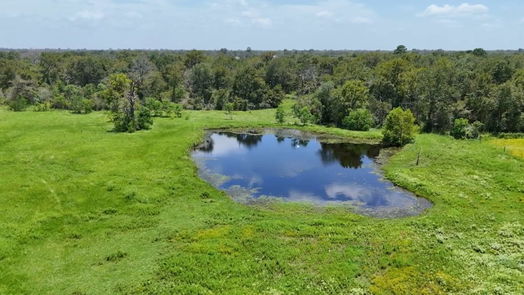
(304, 115)
(460, 128)
(280, 115)
(177, 110)
(155, 106)
(18, 103)
(42, 107)
(399, 127)
(81, 106)
(463, 130)
(359, 119)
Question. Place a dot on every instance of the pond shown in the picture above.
(293, 166)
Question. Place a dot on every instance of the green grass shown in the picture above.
(514, 146)
(88, 211)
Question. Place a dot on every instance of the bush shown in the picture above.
(163, 108)
(81, 106)
(459, 129)
(399, 127)
(177, 110)
(140, 119)
(42, 107)
(463, 130)
(18, 103)
(304, 115)
(359, 119)
(280, 115)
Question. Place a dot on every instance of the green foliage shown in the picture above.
(177, 110)
(280, 115)
(399, 127)
(462, 129)
(359, 119)
(42, 107)
(304, 115)
(459, 129)
(229, 107)
(82, 106)
(479, 52)
(18, 103)
(401, 49)
(127, 112)
(163, 108)
(436, 86)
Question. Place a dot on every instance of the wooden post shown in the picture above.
(418, 157)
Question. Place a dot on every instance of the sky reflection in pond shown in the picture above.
(302, 169)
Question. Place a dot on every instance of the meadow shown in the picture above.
(84, 210)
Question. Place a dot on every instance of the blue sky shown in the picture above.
(262, 24)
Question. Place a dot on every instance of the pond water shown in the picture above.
(292, 166)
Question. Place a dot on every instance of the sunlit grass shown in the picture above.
(514, 146)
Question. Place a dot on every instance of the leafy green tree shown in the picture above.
(359, 119)
(280, 114)
(127, 112)
(249, 86)
(220, 98)
(401, 49)
(229, 107)
(399, 127)
(84, 70)
(460, 127)
(353, 95)
(21, 94)
(201, 81)
(193, 57)
(304, 115)
(479, 52)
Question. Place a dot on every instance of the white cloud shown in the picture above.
(324, 13)
(262, 21)
(361, 20)
(447, 11)
(87, 15)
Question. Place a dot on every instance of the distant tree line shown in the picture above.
(475, 89)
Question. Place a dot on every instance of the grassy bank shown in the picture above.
(87, 211)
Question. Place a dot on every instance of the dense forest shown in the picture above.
(438, 87)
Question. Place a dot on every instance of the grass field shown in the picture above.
(87, 211)
(514, 146)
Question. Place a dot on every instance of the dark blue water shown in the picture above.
(301, 169)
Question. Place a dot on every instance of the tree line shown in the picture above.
(354, 90)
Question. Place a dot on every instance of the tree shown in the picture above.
(201, 81)
(220, 98)
(401, 49)
(304, 115)
(140, 69)
(193, 58)
(248, 85)
(280, 114)
(353, 95)
(85, 70)
(127, 112)
(399, 127)
(21, 94)
(229, 109)
(479, 52)
(359, 119)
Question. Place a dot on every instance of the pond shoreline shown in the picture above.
(239, 193)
